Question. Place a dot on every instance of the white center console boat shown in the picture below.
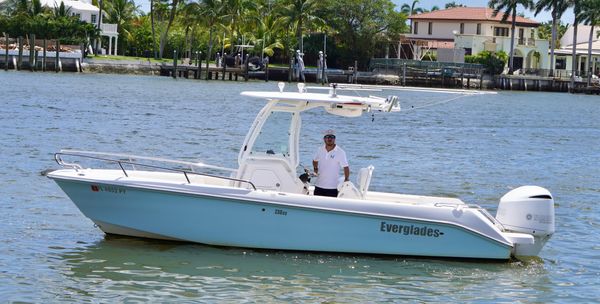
(264, 204)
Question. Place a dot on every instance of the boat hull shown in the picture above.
(223, 221)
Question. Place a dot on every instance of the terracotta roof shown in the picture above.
(470, 14)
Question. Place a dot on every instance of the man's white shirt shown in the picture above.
(330, 164)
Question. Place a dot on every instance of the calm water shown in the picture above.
(475, 148)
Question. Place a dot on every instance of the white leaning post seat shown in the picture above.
(363, 179)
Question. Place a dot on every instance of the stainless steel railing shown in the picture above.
(130, 161)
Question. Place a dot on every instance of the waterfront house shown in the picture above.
(564, 55)
(86, 11)
(471, 30)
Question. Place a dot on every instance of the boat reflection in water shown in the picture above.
(143, 269)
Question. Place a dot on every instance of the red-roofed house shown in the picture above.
(474, 29)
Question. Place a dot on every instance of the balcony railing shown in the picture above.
(526, 41)
(109, 28)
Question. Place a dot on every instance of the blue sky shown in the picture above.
(428, 4)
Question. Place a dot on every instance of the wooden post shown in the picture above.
(291, 69)
(323, 67)
(246, 75)
(267, 72)
(224, 68)
(199, 65)
(481, 79)
(20, 57)
(44, 56)
(57, 57)
(32, 52)
(175, 64)
(404, 73)
(6, 55)
(208, 74)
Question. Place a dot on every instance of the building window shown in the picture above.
(430, 28)
(462, 28)
(561, 63)
(468, 51)
(478, 28)
(416, 28)
(93, 18)
(501, 31)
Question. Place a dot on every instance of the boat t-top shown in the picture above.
(265, 204)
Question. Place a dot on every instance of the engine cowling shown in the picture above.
(527, 209)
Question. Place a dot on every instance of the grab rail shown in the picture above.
(58, 159)
(134, 157)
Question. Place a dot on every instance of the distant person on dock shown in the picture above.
(300, 65)
(321, 67)
(327, 162)
(218, 59)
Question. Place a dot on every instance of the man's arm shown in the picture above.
(315, 166)
(346, 173)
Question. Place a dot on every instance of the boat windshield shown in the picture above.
(273, 138)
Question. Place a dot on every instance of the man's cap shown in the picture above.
(329, 132)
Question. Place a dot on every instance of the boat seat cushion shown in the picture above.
(363, 179)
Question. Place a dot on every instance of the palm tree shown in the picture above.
(301, 14)
(576, 20)
(211, 11)
(590, 15)
(237, 12)
(267, 26)
(558, 7)
(510, 9)
(153, 30)
(121, 12)
(165, 32)
(411, 9)
(454, 4)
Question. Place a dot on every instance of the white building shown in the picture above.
(564, 55)
(474, 30)
(86, 11)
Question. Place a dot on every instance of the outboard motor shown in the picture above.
(530, 210)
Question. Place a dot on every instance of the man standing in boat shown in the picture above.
(327, 162)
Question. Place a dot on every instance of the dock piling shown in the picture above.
(57, 59)
(44, 43)
(267, 72)
(32, 57)
(20, 57)
(175, 64)
(6, 54)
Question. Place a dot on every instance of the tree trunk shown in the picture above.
(574, 54)
(153, 31)
(299, 34)
(163, 37)
(553, 42)
(210, 46)
(99, 39)
(589, 58)
(511, 67)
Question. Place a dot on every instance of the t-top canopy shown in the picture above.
(330, 100)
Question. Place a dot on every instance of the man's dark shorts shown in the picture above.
(326, 192)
